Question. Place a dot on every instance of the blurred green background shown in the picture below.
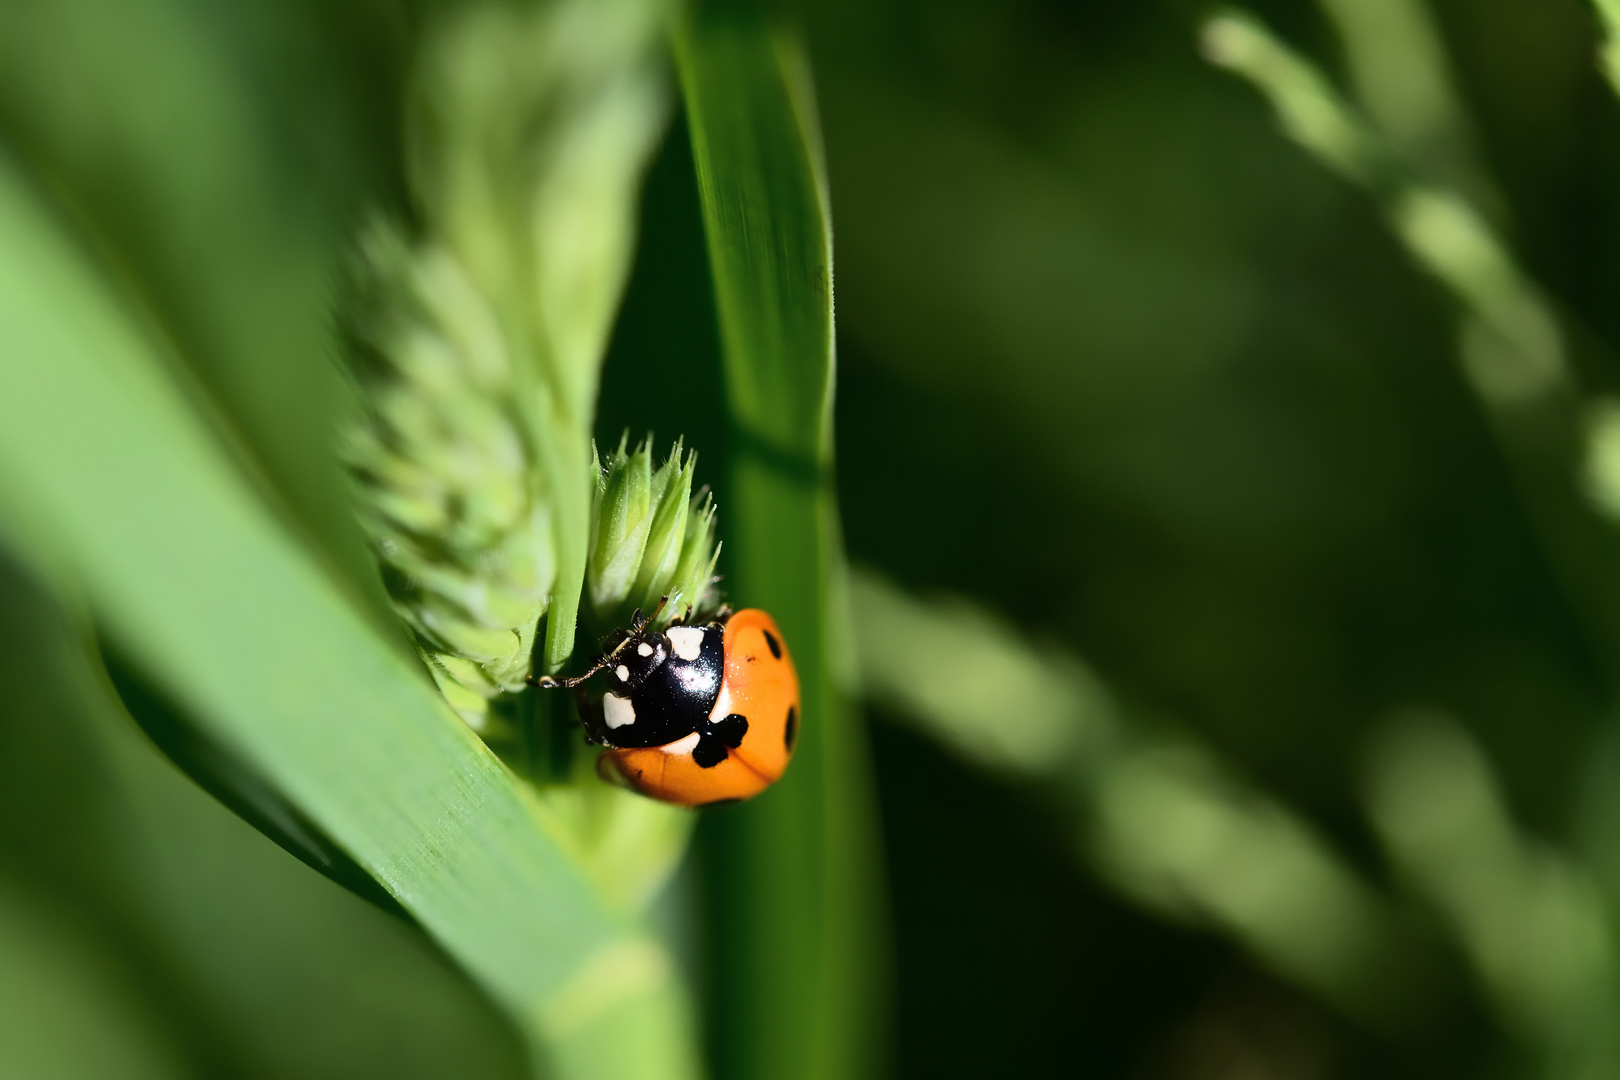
(1130, 384)
(1124, 364)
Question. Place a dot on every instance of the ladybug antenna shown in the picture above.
(638, 623)
(546, 682)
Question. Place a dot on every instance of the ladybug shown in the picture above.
(695, 714)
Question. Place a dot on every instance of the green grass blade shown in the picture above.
(191, 577)
(796, 892)
(165, 129)
(247, 959)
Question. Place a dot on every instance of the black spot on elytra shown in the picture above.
(730, 730)
(776, 646)
(709, 751)
(790, 733)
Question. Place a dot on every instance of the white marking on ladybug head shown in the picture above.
(622, 672)
(617, 711)
(682, 746)
(644, 649)
(687, 641)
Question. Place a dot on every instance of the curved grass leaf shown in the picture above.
(795, 883)
(166, 129)
(243, 959)
(104, 467)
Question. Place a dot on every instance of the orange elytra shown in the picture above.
(697, 714)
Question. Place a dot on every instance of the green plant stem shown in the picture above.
(799, 949)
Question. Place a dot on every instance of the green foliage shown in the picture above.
(455, 510)
(798, 946)
(1158, 814)
(147, 478)
(477, 343)
(1414, 160)
(1609, 54)
(1273, 655)
(177, 927)
(1292, 463)
(168, 546)
(652, 540)
(1532, 924)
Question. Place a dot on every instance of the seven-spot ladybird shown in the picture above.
(696, 714)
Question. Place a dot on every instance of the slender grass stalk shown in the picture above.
(1512, 347)
(1602, 464)
(1531, 921)
(1401, 75)
(1157, 814)
(1554, 436)
(1173, 829)
(799, 956)
(1609, 51)
(1557, 437)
